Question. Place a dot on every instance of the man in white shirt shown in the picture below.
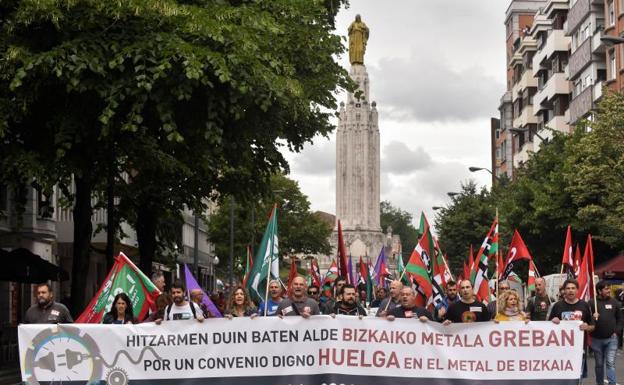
(181, 309)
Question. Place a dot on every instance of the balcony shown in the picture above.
(581, 105)
(580, 58)
(597, 94)
(555, 5)
(526, 80)
(558, 84)
(557, 123)
(598, 46)
(557, 41)
(526, 117)
(577, 14)
(523, 155)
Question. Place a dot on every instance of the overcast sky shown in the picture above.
(437, 72)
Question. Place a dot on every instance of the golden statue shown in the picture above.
(358, 36)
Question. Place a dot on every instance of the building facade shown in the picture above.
(558, 66)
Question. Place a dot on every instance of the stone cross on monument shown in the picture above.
(357, 160)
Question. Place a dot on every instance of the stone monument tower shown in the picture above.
(357, 160)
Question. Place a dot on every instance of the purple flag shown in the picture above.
(192, 284)
(381, 269)
(350, 267)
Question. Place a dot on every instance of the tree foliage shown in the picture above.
(401, 223)
(300, 230)
(575, 179)
(179, 100)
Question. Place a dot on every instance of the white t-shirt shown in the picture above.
(182, 312)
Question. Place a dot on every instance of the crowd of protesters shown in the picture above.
(602, 321)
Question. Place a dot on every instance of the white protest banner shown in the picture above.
(319, 350)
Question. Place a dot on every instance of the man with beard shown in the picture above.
(348, 305)
(298, 304)
(604, 337)
(468, 309)
(451, 297)
(408, 307)
(330, 302)
(47, 311)
(314, 292)
(181, 309)
(392, 301)
(275, 293)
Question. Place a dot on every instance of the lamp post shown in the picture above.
(452, 194)
(436, 208)
(475, 169)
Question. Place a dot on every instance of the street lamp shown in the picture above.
(475, 169)
(436, 208)
(452, 194)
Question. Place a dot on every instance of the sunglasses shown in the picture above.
(312, 292)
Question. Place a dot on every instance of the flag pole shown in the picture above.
(497, 257)
(266, 292)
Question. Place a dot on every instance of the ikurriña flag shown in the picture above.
(479, 276)
(124, 277)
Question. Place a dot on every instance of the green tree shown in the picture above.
(594, 174)
(401, 223)
(196, 97)
(300, 230)
(464, 222)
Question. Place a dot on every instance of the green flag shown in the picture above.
(124, 277)
(266, 261)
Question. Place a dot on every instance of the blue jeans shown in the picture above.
(604, 352)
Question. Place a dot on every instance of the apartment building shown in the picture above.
(550, 65)
(570, 63)
(587, 65)
(518, 21)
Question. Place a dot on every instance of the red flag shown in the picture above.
(567, 260)
(466, 271)
(517, 251)
(363, 273)
(471, 263)
(577, 261)
(342, 255)
(315, 273)
(586, 274)
(127, 278)
(292, 274)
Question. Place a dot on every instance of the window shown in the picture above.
(498, 153)
(611, 12)
(497, 134)
(612, 64)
